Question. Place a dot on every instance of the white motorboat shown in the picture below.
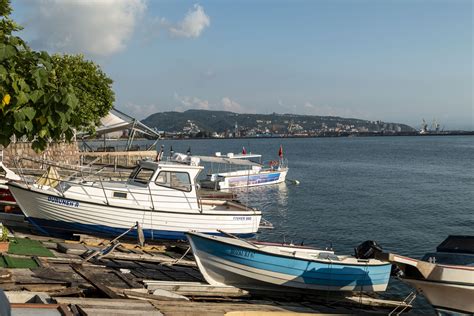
(241, 170)
(161, 196)
(444, 277)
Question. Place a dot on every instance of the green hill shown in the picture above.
(221, 121)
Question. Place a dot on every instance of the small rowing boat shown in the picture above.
(245, 264)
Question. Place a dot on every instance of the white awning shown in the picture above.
(229, 161)
(118, 121)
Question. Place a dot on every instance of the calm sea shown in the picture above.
(406, 193)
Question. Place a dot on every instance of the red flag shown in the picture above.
(280, 152)
(244, 151)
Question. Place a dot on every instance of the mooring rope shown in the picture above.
(176, 261)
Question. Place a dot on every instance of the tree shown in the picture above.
(90, 85)
(40, 98)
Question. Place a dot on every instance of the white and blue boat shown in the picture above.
(241, 170)
(245, 264)
(161, 196)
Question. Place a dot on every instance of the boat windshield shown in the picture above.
(141, 175)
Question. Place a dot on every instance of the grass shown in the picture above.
(11, 262)
(28, 247)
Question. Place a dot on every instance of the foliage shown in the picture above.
(3, 233)
(40, 99)
(90, 85)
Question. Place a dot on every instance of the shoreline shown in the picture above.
(325, 135)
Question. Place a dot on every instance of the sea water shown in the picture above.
(406, 193)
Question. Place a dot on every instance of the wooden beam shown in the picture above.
(89, 278)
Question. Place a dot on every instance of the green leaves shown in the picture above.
(35, 95)
(48, 96)
(21, 98)
(6, 51)
(41, 77)
(29, 112)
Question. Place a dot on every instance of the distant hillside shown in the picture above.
(222, 121)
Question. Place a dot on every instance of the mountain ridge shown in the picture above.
(222, 121)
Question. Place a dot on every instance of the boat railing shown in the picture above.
(87, 178)
(275, 164)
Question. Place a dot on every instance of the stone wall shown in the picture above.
(65, 153)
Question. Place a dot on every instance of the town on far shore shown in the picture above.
(224, 124)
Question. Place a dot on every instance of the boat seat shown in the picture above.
(328, 256)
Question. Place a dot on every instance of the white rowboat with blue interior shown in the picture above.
(244, 264)
(161, 196)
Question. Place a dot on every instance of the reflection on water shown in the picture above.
(273, 201)
(267, 198)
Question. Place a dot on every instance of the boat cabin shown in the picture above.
(151, 185)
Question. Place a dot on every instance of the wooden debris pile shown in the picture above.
(157, 279)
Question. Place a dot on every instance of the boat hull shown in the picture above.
(228, 264)
(459, 301)
(247, 180)
(56, 215)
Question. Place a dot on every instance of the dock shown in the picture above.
(64, 277)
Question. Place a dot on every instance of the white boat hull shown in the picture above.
(55, 214)
(231, 262)
(460, 299)
(247, 180)
(448, 287)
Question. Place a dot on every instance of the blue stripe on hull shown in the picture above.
(67, 229)
(253, 179)
(312, 272)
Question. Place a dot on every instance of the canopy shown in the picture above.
(119, 121)
(230, 161)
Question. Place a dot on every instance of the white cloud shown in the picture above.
(195, 21)
(230, 105)
(191, 103)
(139, 111)
(225, 104)
(97, 27)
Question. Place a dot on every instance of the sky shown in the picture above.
(391, 60)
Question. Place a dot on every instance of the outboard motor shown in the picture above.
(367, 250)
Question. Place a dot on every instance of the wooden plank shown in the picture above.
(149, 258)
(129, 280)
(178, 276)
(97, 242)
(70, 248)
(64, 310)
(44, 287)
(98, 285)
(101, 302)
(149, 274)
(94, 311)
(68, 292)
(162, 296)
(182, 308)
(34, 305)
(196, 289)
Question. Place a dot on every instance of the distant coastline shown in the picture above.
(446, 133)
(326, 135)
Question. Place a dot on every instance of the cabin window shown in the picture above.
(174, 180)
(142, 175)
(121, 195)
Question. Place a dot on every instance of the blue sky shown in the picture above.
(380, 60)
